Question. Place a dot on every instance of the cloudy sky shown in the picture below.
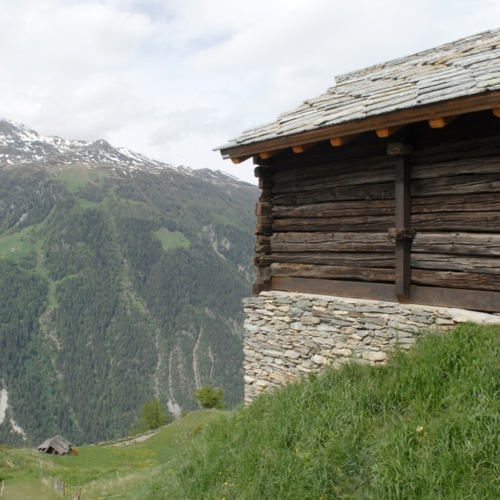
(175, 78)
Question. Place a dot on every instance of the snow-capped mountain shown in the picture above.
(19, 145)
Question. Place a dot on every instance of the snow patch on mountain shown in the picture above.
(20, 145)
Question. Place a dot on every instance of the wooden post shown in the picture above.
(402, 233)
(403, 221)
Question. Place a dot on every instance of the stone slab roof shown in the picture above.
(462, 68)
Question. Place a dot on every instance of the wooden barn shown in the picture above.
(55, 446)
(384, 191)
(388, 185)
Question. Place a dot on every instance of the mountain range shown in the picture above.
(121, 279)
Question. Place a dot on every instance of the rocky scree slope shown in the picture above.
(120, 279)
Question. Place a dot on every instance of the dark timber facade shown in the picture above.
(388, 186)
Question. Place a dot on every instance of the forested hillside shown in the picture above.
(117, 284)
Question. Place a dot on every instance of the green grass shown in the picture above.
(16, 245)
(74, 178)
(100, 470)
(171, 239)
(425, 427)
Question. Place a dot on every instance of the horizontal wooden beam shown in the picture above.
(304, 147)
(338, 288)
(496, 112)
(269, 154)
(388, 131)
(443, 121)
(240, 159)
(340, 141)
(460, 105)
(474, 300)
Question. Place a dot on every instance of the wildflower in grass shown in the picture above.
(479, 395)
(296, 450)
(225, 484)
(419, 428)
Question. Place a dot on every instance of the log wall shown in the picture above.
(329, 214)
(456, 214)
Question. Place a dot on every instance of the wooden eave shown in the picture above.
(461, 105)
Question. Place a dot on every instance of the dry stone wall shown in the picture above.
(291, 334)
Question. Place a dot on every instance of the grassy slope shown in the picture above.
(100, 470)
(425, 427)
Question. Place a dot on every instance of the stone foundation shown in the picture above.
(290, 334)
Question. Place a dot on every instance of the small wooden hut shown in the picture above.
(387, 186)
(55, 446)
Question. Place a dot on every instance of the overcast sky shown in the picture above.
(175, 78)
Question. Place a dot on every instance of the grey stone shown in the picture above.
(310, 320)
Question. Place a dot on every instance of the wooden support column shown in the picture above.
(402, 233)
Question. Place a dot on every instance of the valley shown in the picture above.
(119, 281)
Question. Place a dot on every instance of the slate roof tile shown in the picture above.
(462, 68)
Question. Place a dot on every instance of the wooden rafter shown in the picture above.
(496, 112)
(388, 131)
(269, 154)
(339, 141)
(304, 147)
(442, 122)
(240, 159)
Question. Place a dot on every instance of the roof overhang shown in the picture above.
(401, 117)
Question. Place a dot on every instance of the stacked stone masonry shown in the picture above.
(290, 334)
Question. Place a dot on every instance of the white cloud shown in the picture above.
(173, 79)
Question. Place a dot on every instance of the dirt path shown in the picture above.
(138, 439)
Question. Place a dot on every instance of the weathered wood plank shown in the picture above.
(260, 249)
(311, 166)
(448, 297)
(262, 240)
(264, 225)
(484, 222)
(370, 192)
(457, 243)
(328, 272)
(448, 151)
(331, 242)
(266, 196)
(363, 223)
(263, 209)
(458, 184)
(356, 289)
(466, 264)
(489, 202)
(458, 167)
(453, 279)
(261, 260)
(337, 259)
(337, 209)
(333, 178)
(262, 274)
